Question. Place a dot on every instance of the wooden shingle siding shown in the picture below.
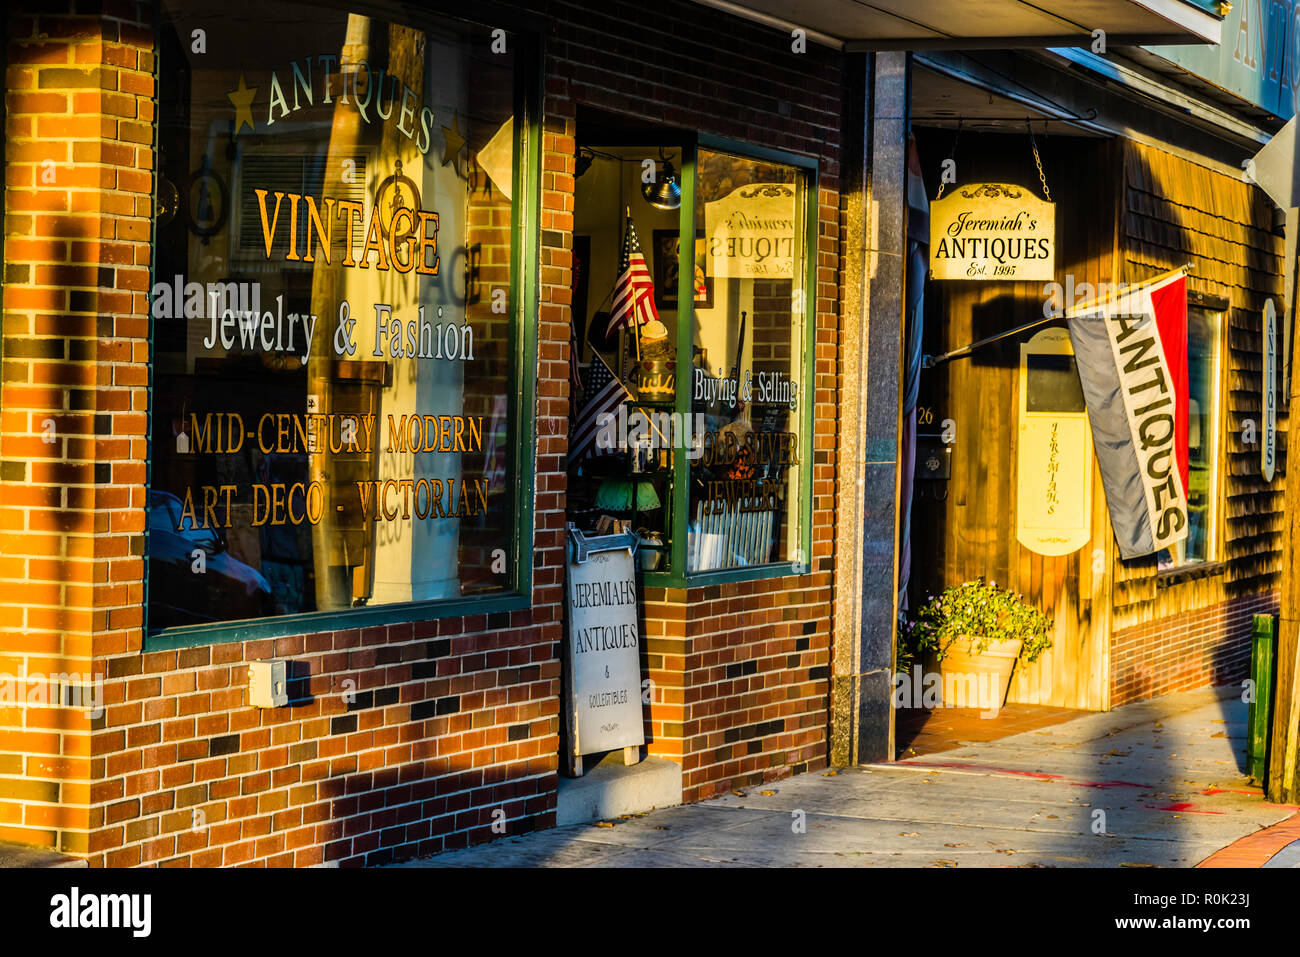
(1177, 212)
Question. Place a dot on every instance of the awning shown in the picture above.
(991, 24)
(1273, 168)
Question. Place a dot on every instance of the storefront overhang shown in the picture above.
(856, 25)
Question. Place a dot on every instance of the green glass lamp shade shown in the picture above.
(616, 494)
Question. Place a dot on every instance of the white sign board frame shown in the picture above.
(750, 233)
(602, 647)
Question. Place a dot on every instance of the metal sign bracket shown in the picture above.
(581, 546)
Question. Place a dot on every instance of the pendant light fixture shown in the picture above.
(665, 191)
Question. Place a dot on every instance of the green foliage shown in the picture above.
(977, 610)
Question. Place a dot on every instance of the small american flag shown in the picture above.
(634, 293)
(606, 395)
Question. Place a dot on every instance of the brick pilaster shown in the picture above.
(79, 161)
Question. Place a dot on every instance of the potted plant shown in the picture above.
(973, 634)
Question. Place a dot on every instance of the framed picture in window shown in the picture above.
(666, 250)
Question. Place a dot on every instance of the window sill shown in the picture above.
(722, 576)
(347, 619)
(1176, 576)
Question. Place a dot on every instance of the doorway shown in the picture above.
(963, 416)
(626, 224)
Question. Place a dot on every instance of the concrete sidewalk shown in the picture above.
(1160, 783)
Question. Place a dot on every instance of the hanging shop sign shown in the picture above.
(1053, 464)
(995, 231)
(1268, 403)
(604, 645)
(750, 233)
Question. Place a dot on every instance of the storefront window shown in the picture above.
(334, 382)
(745, 505)
(1204, 334)
(705, 454)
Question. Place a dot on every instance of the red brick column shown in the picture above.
(79, 163)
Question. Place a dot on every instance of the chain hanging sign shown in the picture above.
(995, 231)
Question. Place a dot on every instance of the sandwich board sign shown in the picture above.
(603, 647)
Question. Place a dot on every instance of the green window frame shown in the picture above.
(677, 576)
(524, 297)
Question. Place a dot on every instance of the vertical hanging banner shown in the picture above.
(1131, 351)
(1268, 397)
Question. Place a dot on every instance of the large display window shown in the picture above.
(693, 323)
(747, 504)
(341, 368)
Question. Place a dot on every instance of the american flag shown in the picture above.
(606, 395)
(634, 293)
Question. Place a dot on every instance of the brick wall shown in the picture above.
(1196, 649)
(740, 678)
(449, 720)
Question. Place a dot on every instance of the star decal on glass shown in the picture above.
(242, 100)
(455, 142)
